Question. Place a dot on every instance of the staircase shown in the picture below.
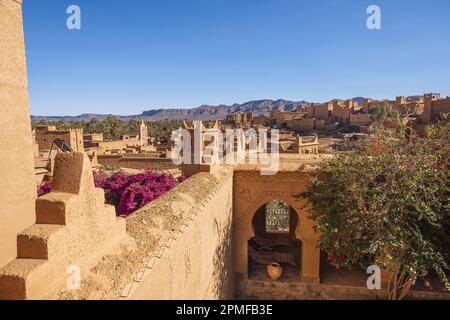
(73, 227)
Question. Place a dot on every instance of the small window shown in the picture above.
(277, 217)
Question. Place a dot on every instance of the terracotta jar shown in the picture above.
(274, 270)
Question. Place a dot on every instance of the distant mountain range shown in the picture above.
(204, 112)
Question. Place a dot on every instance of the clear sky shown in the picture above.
(136, 55)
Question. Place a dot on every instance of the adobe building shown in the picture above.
(341, 113)
(143, 134)
(359, 119)
(366, 105)
(239, 119)
(45, 135)
(92, 140)
(327, 117)
(320, 111)
(419, 111)
(35, 144)
(281, 118)
(196, 160)
(126, 144)
(260, 120)
(434, 108)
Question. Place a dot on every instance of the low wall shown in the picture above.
(196, 261)
(181, 247)
(134, 162)
(266, 290)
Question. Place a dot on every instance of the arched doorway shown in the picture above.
(253, 191)
(274, 240)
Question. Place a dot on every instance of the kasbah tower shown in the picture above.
(17, 165)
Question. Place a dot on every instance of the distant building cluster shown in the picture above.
(134, 152)
(341, 121)
(329, 117)
(45, 135)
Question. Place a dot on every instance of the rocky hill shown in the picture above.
(204, 112)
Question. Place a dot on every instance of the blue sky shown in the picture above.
(137, 55)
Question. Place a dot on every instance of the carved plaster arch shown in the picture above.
(249, 200)
(304, 229)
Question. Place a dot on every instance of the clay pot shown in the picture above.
(274, 270)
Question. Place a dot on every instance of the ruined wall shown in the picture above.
(281, 118)
(305, 124)
(196, 261)
(441, 106)
(322, 111)
(360, 119)
(17, 180)
(341, 114)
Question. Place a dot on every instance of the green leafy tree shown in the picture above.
(380, 112)
(387, 203)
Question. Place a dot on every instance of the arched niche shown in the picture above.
(274, 225)
(304, 231)
(275, 217)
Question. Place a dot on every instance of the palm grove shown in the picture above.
(113, 128)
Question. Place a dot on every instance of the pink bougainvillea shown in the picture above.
(130, 192)
(44, 188)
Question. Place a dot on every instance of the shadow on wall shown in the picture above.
(223, 262)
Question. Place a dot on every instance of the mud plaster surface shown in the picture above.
(149, 229)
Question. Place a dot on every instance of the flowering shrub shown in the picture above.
(387, 203)
(130, 192)
(44, 188)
